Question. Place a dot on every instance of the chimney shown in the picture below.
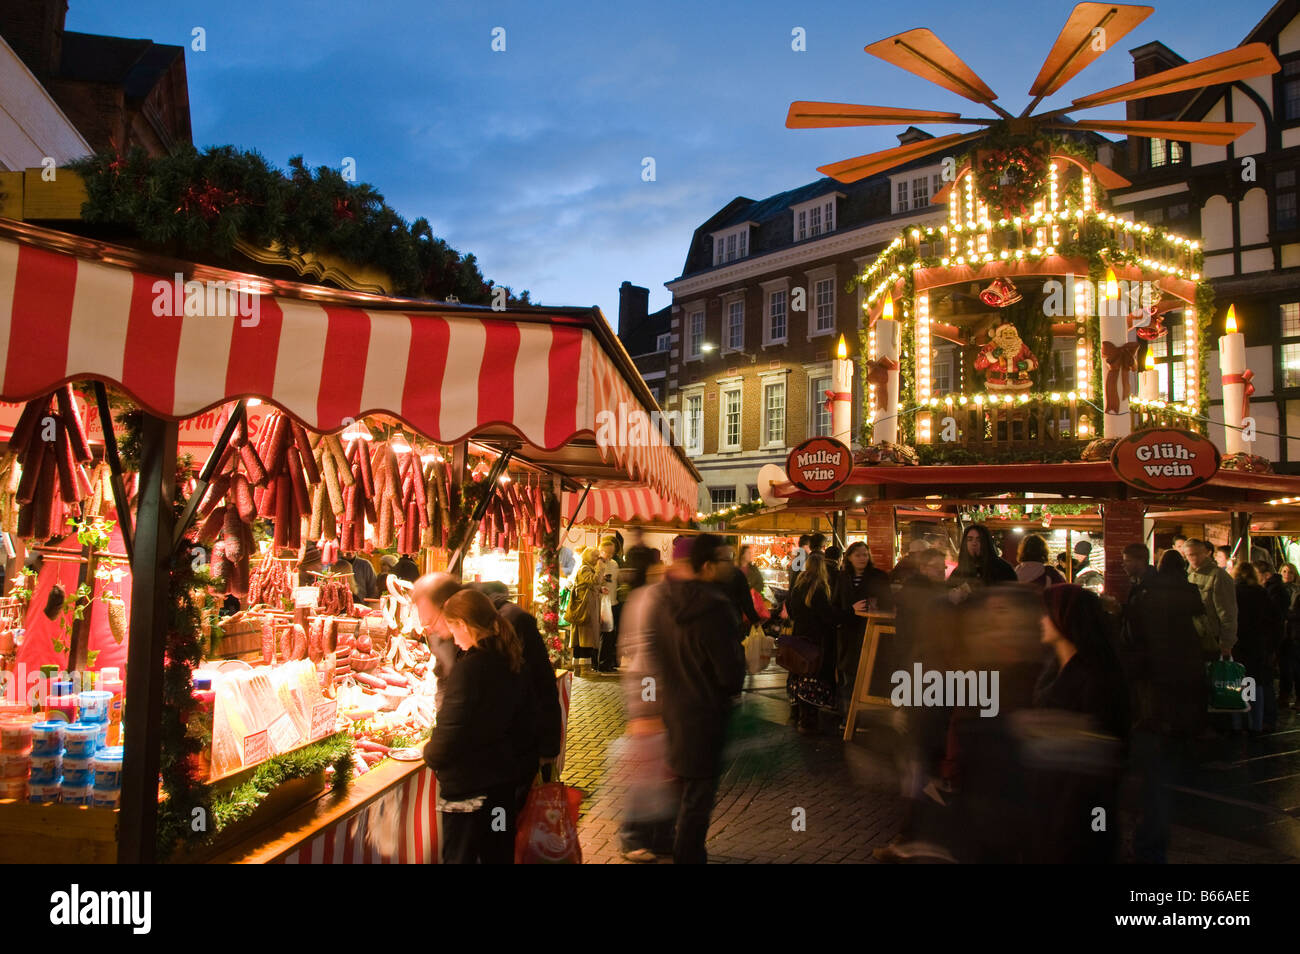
(1148, 59)
(633, 306)
(912, 134)
(34, 29)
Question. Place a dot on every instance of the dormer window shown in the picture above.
(815, 218)
(730, 245)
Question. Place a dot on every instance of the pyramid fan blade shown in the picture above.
(860, 167)
(1253, 59)
(921, 52)
(1211, 134)
(807, 115)
(1077, 44)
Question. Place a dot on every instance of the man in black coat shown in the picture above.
(702, 668)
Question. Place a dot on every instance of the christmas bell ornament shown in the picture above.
(1000, 293)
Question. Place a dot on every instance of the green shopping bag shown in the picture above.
(1224, 677)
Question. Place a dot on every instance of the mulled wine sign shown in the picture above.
(819, 465)
(1165, 460)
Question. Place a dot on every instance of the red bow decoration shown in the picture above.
(1244, 378)
(1149, 322)
(833, 396)
(1120, 360)
(878, 378)
(342, 210)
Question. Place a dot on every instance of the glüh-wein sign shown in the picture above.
(819, 465)
(1165, 460)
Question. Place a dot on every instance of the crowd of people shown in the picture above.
(1091, 693)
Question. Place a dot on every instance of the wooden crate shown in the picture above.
(57, 834)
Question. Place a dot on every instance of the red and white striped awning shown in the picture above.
(449, 373)
(630, 506)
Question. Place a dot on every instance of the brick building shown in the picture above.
(119, 93)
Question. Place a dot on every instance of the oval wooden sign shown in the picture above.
(819, 465)
(1165, 460)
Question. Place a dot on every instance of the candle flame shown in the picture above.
(887, 312)
(842, 351)
(1112, 285)
(1231, 323)
(1151, 360)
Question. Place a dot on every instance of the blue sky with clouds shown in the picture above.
(532, 158)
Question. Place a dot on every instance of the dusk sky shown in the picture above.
(532, 158)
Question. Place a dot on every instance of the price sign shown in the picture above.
(284, 734)
(323, 716)
(257, 747)
(305, 597)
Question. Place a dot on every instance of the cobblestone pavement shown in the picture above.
(848, 793)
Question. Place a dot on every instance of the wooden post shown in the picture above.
(1239, 537)
(79, 640)
(150, 605)
(550, 555)
(881, 531)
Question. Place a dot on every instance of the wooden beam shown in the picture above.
(205, 475)
(115, 472)
(150, 609)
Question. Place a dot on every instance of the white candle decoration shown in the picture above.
(1232, 361)
(842, 402)
(888, 337)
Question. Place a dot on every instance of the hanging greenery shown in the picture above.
(240, 802)
(199, 203)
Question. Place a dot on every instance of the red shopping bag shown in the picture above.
(548, 827)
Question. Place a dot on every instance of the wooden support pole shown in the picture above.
(150, 606)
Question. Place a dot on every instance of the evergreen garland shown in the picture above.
(197, 204)
(241, 801)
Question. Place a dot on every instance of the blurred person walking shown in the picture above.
(1288, 654)
(1168, 672)
(477, 744)
(731, 580)
(815, 620)
(1259, 634)
(1069, 786)
(1031, 563)
(702, 669)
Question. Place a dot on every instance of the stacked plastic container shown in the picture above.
(15, 757)
(47, 762)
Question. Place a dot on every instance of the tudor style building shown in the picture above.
(1241, 202)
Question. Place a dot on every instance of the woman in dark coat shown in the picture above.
(1259, 634)
(815, 620)
(856, 585)
(1084, 677)
(978, 563)
(477, 746)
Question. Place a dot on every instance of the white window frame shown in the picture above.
(816, 277)
(728, 346)
(663, 342)
(769, 288)
(731, 245)
(693, 449)
(816, 217)
(765, 381)
(714, 506)
(816, 398)
(726, 388)
(690, 345)
(902, 193)
(920, 192)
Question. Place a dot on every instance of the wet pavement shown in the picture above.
(790, 798)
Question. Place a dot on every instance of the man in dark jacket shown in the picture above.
(701, 669)
(731, 582)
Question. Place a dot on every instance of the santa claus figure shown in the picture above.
(1006, 361)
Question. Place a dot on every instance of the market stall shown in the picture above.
(531, 388)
